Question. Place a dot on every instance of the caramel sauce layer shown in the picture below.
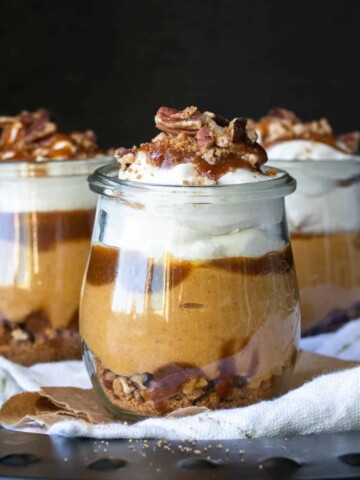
(45, 229)
(105, 262)
(163, 155)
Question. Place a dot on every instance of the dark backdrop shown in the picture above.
(109, 64)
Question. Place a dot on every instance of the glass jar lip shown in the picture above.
(101, 181)
(51, 168)
(323, 162)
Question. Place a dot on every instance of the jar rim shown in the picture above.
(104, 182)
(326, 162)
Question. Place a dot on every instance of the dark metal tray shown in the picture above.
(34, 456)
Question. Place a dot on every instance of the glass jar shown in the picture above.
(46, 219)
(190, 295)
(324, 222)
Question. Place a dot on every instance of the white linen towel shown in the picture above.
(330, 403)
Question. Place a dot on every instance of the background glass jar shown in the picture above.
(190, 296)
(46, 219)
(324, 222)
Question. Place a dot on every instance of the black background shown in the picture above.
(109, 65)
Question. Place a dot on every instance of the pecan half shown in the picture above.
(173, 121)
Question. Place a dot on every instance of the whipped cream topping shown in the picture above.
(305, 150)
(195, 149)
(193, 232)
(185, 174)
(327, 198)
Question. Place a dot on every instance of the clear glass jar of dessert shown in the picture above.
(324, 222)
(46, 219)
(323, 214)
(190, 296)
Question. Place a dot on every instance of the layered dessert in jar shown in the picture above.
(46, 219)
(324, 212)
(190, 297)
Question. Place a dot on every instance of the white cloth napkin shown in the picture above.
(330, 403)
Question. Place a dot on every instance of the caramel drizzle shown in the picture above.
(165, 156)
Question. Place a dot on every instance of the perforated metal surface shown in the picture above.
(30, 456)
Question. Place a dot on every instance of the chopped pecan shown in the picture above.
(322, 126)
(173, 121)
(205, 137)
(283, 114)
(36, 125)
(5, 121)
(218, 119)
(125, 157)
(19, 335)
(142, 380)
(222, 140)
(87, 140)
(221, 121)
(351, 141)
(123, 385)
(211, 157)
(251, 135)
(193, 384)
(238, 130)
(40, 115)
(253, 159)
(37, 323)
